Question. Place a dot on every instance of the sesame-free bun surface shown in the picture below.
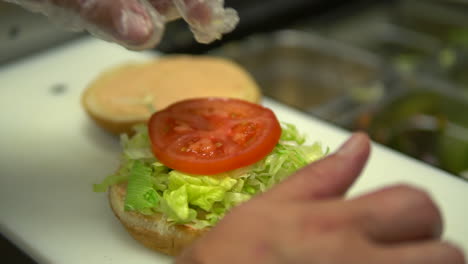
(152, 231)
(128, 94)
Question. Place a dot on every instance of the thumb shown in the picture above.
(329, 177)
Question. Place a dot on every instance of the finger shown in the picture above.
(208, 19)
(196, 12)
(396, 214)
(329, 177)
(165, 8)
(424, 253)
(132, 23)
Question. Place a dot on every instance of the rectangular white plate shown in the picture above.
(51, 154)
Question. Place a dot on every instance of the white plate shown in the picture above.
(51, 154)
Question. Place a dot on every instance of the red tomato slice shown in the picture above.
(212, 135)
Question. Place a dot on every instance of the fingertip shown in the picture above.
(208, 19)
(454, 253)
(358, 142)
(134, 24)
(398, 213)
(139, 26)
(134, 28)
(331, 176)
(427, 252)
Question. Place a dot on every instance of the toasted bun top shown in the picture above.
(130, 93)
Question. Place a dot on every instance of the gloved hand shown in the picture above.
(137, 24)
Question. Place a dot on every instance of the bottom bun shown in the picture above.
(152, 231)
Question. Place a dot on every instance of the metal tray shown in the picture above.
(444, 20)
(414, 36)
(426, 120)
(316, 75)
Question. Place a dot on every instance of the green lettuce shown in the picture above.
(141, 195)
(201, 200)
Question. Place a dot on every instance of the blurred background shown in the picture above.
(395, 69)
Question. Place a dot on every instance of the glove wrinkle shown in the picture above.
(137, 24)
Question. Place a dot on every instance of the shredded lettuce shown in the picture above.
(201, 191)
(141, 196)
(121, 176)
(201, 200)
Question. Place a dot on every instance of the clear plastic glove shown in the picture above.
(137, 24)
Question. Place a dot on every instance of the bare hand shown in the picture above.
(306, 220)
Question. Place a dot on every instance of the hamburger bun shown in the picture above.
(128, 94)
(152, 231)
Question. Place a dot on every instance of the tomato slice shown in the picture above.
(212, 135)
